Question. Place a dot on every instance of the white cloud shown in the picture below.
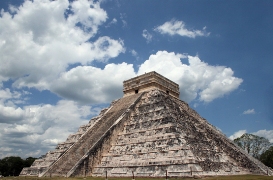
(5, 94)
(123, 17)
(37, 128)
(249, 111)
(9, 114)
(175, 27)
(114, 21)
(11, 98)
(42, 39)
(46, 47)
(148, 36)
(198, 79)
(134, 53)
(265, 133)
(93, 85)
(40, 127)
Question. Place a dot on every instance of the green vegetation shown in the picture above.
(241, 177)
(12, 166)
(252, 144)
(267, 157)
(258, 147)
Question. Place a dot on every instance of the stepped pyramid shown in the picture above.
(148, 132)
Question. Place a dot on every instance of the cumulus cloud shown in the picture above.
(91, 84)
(197, 79)
(42, 43)
(38, 128)
(52, 45)
(249, 111)
(175, 27)
(265, 133)
(41, 39)
(148, 36)
(5, 94)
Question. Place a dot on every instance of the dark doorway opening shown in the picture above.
(167, 92)
(136, 91)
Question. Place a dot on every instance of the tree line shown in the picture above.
(12, 166)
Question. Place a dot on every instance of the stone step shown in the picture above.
(83, 145)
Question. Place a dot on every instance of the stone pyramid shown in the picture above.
(148, 132)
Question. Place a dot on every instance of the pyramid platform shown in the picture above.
(148, 132)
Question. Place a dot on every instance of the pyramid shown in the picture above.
(147, 132)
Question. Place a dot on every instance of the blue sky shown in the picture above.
(63, 61)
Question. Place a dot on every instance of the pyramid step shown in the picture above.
(159, 133)
(78, 150)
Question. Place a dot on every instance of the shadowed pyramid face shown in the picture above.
(150, 132)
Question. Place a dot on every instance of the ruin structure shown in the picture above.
(150, 81)
(148, 132)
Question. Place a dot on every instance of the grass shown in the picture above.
(240, 177)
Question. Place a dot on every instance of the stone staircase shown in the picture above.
(149, 143)
(65, 165)
(163, 134)
(41, 165)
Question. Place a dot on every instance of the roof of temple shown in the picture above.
(149, 81)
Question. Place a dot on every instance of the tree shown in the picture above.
(252, 144)
(267, 157)
(12, 166)
(28, 162)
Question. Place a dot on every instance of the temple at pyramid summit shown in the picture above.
(147, 132)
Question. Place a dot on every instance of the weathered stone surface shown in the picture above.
(147, 132)
(41, 165)
(163, 133)
(150, 81)
(80, 150)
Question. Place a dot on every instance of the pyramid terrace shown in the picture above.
(148, 132)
